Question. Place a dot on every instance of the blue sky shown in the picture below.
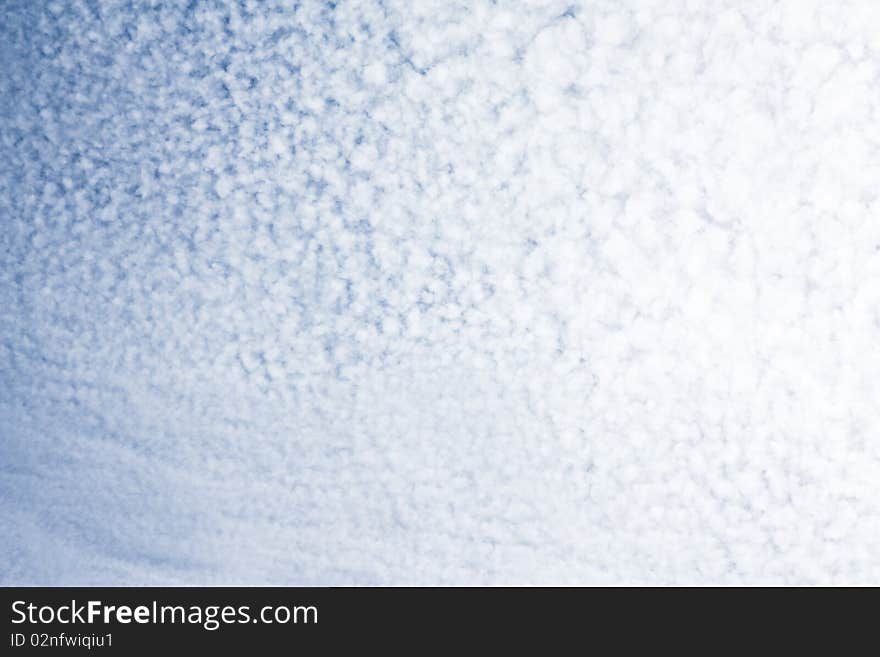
(439, 293)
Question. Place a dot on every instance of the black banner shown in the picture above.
(128, 620)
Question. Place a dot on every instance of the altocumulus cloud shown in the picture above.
(432, 292)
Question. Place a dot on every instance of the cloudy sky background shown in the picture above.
(439, 292)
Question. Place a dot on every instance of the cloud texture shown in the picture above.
(439, 292)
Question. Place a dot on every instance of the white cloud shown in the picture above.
(439, 293)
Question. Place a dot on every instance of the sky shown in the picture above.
(393, 292)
